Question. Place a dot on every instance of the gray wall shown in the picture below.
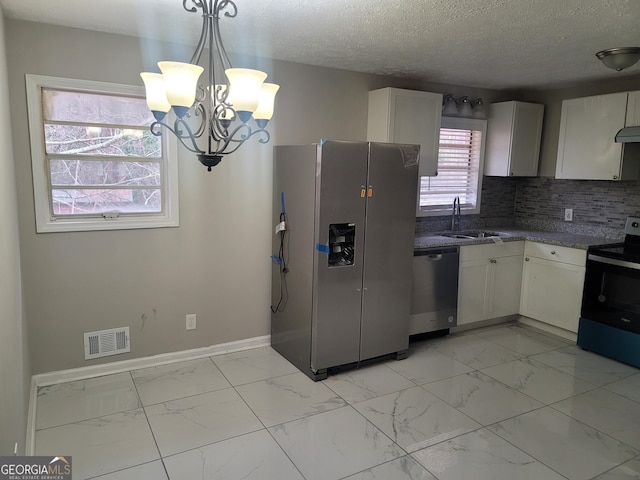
(14, 367)
(216, 264)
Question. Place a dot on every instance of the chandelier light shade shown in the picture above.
(264, 112)
(246, 85)
(156, 93)
(619, 58)
(220, 113)
(180, 83)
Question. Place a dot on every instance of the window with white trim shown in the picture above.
(460, 163)
(96, 165)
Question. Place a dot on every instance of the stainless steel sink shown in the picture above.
(471, 234)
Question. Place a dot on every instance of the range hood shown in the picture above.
(628, 135)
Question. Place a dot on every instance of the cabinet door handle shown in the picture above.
(493, 260)
(526, 259)
(615, 177)
(553, 252)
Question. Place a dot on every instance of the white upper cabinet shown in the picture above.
(586, 147)
(407, 116)
(513, 139)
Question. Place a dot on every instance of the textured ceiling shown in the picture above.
(483, 43)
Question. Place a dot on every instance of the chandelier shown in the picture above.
(221, 112)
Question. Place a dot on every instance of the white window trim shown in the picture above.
(467, 124)
(45, 223)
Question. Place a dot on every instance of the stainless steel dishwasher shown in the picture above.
(434, 296)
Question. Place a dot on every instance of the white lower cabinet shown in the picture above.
(489, 281)
(552, 283)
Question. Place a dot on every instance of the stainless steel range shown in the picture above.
(610, 317)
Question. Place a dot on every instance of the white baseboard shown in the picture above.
(483, 323)
(560, 332)
(30, 441)
(82, 373)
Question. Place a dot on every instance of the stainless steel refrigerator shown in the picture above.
(344, 216)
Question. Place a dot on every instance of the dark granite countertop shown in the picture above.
(507, 234)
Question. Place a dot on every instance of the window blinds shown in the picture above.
(458, 171)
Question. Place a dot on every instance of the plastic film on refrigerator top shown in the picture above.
(410, 154)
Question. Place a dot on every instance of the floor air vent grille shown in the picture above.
(106, 342)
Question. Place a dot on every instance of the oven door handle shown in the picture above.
(613, 261)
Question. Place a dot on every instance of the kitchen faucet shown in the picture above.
(455, 214)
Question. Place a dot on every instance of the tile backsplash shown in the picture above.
(497, 203)
(600, 208)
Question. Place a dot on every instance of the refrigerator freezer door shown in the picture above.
(341, 177)
(390, 217)
(294, 178)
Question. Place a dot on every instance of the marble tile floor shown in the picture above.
(503, 402)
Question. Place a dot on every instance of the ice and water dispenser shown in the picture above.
(342, 237)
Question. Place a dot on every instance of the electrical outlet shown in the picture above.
(568, 214)
(191, 321)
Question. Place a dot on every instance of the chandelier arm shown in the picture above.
(214, 135)
(200, 111)
(219, 123)
(267, 136)
(229, 138)
(178, 133)
(223, 5)
(222, 52)
(244, 136)
(199, 4)
(217, 130)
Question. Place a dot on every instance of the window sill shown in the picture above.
(446, 212)
(90, 225)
